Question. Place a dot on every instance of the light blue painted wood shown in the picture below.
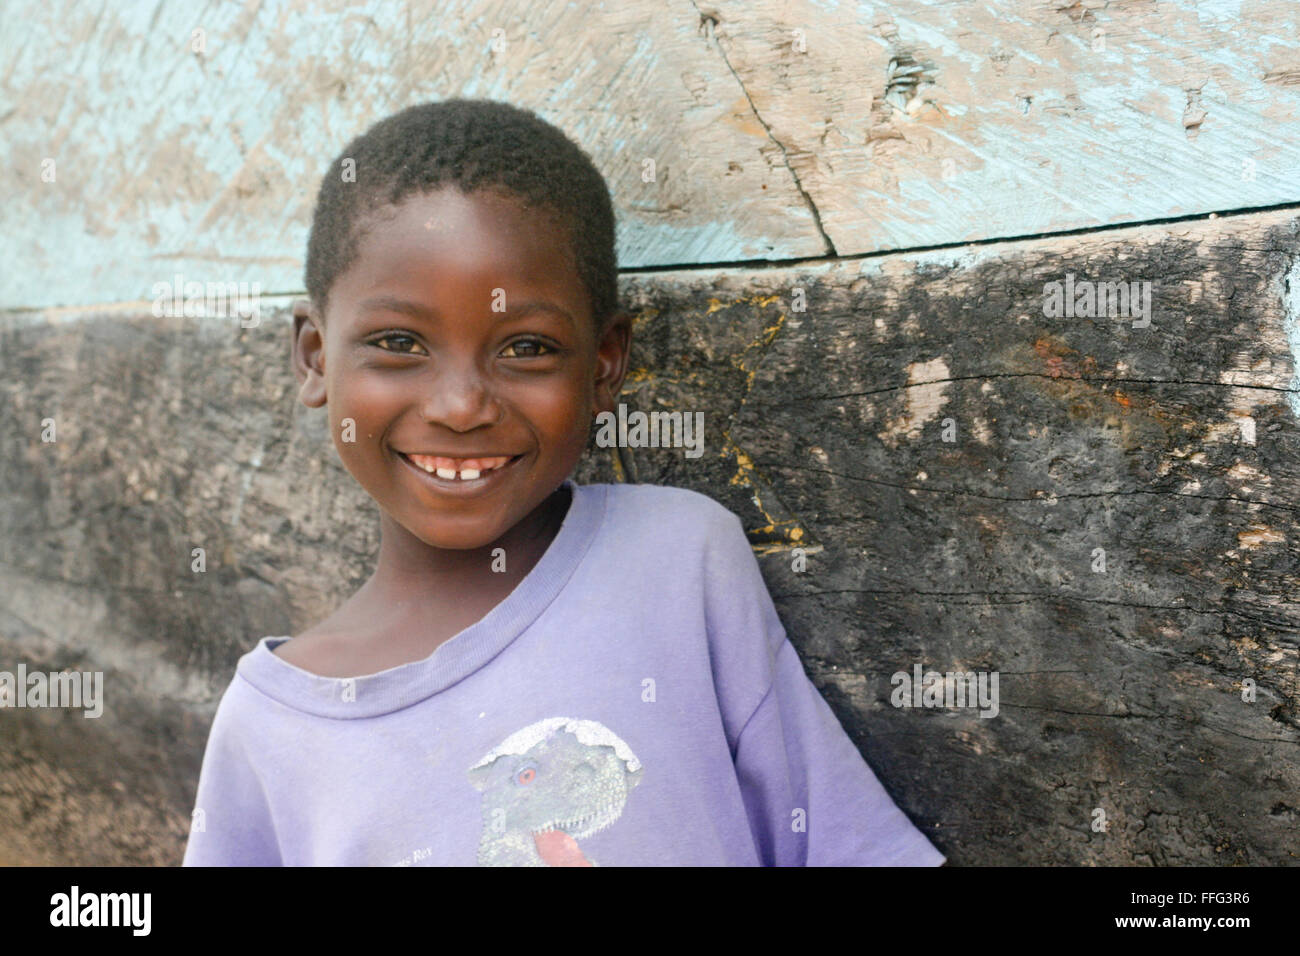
(997, 118)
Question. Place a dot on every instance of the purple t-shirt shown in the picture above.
(633, 702)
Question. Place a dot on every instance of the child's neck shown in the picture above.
(410, 572)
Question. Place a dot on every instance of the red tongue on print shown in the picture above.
(557, 848)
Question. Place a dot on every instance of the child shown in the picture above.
(538, 673)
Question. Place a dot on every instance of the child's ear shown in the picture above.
(612, 353)
(308, 354)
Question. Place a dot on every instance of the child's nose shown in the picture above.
(460, 398)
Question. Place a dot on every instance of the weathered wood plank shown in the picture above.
(1174, 448)
(1119, 690)
(922, 122)
(204, 162)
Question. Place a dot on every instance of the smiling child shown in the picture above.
(538, 672)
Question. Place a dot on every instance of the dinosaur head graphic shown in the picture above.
(549, 785)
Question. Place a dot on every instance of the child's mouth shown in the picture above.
(458, 473)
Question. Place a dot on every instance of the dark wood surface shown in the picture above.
(1119, 690)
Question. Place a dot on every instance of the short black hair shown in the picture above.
(470, 144)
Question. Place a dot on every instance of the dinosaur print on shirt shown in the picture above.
(549, 785)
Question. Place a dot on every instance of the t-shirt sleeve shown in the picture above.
(231, 824)
(811, 798)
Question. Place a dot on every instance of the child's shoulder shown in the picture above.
(656, 526)
(663, 506)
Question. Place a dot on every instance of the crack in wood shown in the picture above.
(1047, 498)
(1062, 376)
(1034, 597)
(708, 22)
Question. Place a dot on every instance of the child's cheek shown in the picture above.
(350, 430)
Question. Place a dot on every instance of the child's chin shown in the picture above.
(459, 532)
(450, 540)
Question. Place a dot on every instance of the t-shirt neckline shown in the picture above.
(454, 659)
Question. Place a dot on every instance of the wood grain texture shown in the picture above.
(779, 130)
(1119, 690)
(1173, 448)
(918, 123)
(207, 163)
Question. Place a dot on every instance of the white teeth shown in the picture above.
(451, 474)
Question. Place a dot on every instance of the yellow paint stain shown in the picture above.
(766, 549)
(749, 377)
(745, 473)
(771, 330)
(760, 344)
(744, 467)
(795, 532)
(762, 301)
(743, 477)
(792, 534)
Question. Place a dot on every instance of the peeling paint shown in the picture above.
(929, 392)
(1244, 472)
(1042, 114)
(1291, 325)
(1258, 536)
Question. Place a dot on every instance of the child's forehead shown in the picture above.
(454, 226)
(429, 243)
(447, 207)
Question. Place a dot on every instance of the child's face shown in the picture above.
(461, 331)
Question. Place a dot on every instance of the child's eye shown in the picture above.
(527, 348)
(398, 337)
